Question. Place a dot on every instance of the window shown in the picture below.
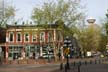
(49, 37)
(11, 36)
(59, 36)
(18, 36)
(34, 37)
(42, 37)
(26, 37)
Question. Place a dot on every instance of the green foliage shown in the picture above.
(9, 13)
(90, 38)
(68, 12)
(104, 35)
(103, 43)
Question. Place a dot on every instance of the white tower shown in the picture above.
(91, 20)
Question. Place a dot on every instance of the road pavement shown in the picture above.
(55, 67)
(94, 68)
(29, 68)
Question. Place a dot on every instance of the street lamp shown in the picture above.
(67, 46)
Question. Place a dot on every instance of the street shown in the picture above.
(85, 66)
(28, 68)
(53, 68)
(95, 68)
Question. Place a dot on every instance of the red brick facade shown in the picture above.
(24, 42)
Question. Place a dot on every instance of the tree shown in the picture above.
(105, 26)
(68, 12)
(103, 43)
(104, 34)
(90, 38)
(7, 14)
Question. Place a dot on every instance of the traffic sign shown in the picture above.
(67, 50)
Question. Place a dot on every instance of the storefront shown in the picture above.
(31, 51)
(15, 52)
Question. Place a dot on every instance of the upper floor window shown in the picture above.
(11, 36)
(19, 36)
(59, 36)
(26, 37)
(34, 37)
(50, 36)
(42, 36)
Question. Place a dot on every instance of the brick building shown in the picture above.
(31, 41)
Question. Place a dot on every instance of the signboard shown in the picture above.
(89, 54)
(67, 50)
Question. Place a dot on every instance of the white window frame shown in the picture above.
(17, 36)
(42, 37)
(28, 37)
(50, 39)
(61, 37)
(34, 34)
(9, 36)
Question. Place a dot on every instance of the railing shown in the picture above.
(75, 66)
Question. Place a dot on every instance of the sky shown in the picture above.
(95, 8)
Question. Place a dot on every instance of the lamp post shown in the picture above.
(67, 46)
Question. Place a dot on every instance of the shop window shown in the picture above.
(15, 51)
(10, 54)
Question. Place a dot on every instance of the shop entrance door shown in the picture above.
(31, 51)
(15, 55)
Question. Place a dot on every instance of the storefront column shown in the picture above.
(62, 55)
(46, 36)
(6, 61)
(41, 51)
(23, 53)
(55, 47)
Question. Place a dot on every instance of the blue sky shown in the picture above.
(95, 8)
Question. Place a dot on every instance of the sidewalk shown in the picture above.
(42, 67)
(45, 61)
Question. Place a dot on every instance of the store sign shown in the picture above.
(89, 54)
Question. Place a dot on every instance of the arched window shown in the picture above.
(59, 36)
(19, 36)
(26, 37)
(34, 37)
(42, 36)
(50, 37)
(11, 36)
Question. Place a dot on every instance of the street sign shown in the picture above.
(67, 50)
